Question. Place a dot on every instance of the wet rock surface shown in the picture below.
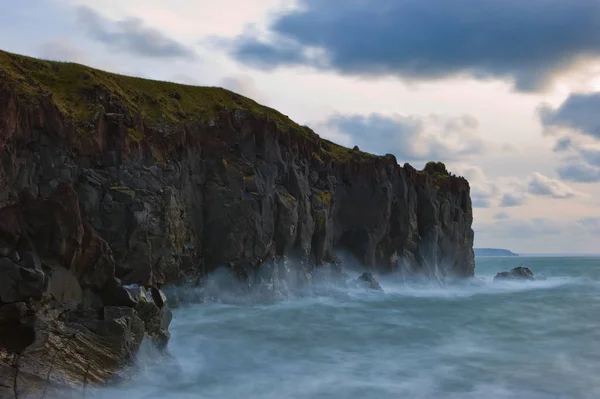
(518, 273)
(59, 329)
(367, 280)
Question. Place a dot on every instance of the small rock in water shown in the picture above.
(367, 280)
(518, 273)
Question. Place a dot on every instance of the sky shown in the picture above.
(505, 92)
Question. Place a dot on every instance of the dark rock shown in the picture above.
(18, 283)
(159, 297)
(367, 280)
(518, 273)
(56, 334)
(14, 256)
(126, 222)
(114, 312)
(31, 260)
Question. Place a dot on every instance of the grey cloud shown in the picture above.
(501, 216)
(580, 164)
(590, 156)
(410, 138)
(509, 200)
(483, 192)
(61, 50)
(562, 144)
(184, 79)
(578, 171)
(545, 186)
(131, 35)
(578, 112)
(481, 200)
(244, 85)
(526, 41)
(526, 228)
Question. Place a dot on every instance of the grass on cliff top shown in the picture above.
(76, 89)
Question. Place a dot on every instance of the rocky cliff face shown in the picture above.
(174, 181)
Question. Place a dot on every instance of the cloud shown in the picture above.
(511, 191)
(481, 200)
(562, 144)
(578, 112)
(131, 35)
(545, 186)
(525, 228)
(409, 138)
(526, 41)
(578, 171)
(244, 85)
(61, 50)
(581, 164)
(591, 224)
(184, 79)
(511, 199)
(501, 216)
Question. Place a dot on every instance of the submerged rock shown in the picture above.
(367, 280)
(518, 273)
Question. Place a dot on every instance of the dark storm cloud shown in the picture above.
(131, 35)
(528, 41)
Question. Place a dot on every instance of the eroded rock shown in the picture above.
(518, 273)
(66, 322)
(367, 280)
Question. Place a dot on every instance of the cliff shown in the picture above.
(175, 181)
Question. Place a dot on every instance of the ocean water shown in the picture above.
(522, 340)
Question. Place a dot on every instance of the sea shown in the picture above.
(481, 339)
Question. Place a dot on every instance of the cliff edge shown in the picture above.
(112, 186)
(182, 179)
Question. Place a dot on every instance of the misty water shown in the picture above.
(480, 340)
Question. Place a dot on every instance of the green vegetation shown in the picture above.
(288, 196)
(135, 134)
(342, 154)
(437, 170)
(324, 198)
(77, 90)
(320, 222)
(317, 157)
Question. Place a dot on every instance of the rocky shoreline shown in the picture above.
(66, 321)
(112, 187)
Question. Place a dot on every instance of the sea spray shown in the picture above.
(463, 340)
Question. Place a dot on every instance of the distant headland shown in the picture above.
(493, 252)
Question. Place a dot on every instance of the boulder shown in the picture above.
(367, 280)
(518, 273)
